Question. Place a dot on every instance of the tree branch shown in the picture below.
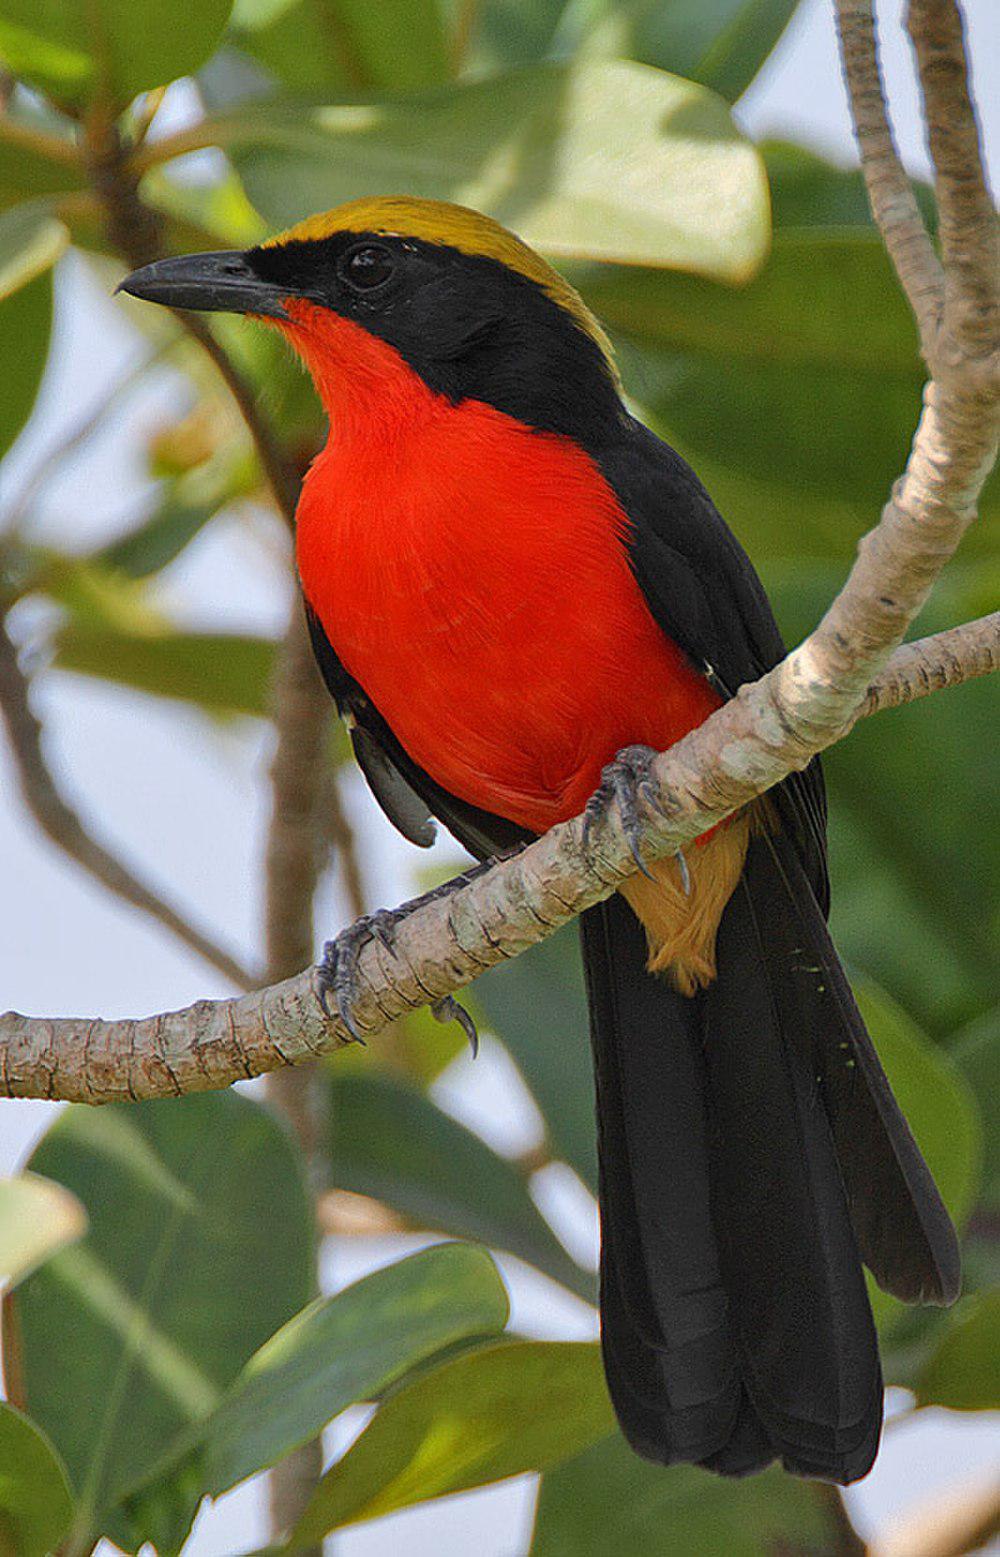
(445, 943)
(60, 822)
(890, 193)
(39, 142)
(933, 664)
(967, 223)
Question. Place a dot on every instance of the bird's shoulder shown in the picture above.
(698, 581)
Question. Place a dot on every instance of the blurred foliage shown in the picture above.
(37, 1218)
(35, 1502)
(173, 1349)
(498, 1411)
(671, 1515)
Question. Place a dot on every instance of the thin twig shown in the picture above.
(300, 711)
(932, 664)
(136, 231)
(890, 192)
(967, 224)
(464, 26)
(340, 834)
(440, 945)
(60, 822)
(26, 138)
(280, 474)
(210, 132)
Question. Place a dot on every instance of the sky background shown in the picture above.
(188, 803)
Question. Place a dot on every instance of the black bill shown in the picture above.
(223, 282)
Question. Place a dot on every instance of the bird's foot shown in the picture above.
(627, 783)
(336, 976)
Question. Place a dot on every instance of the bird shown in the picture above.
(517, 593)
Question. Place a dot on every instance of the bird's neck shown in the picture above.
(374, 400)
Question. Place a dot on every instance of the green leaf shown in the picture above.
(31, 240)
(942, 1113)
(157, 541)
(495, 1412)
(159, 1513)
(199, 1247)
(775, 380)
(721, 43)
(608, 1503)
(389, 1141)
(917, 899)
(37, 1219)
(536, 1005)
(796, 419)
(109, 48)
(344, 45)
(36, 1506)
(977, 1055)
(349, 1348)
(223, 673)
(507, 32)
(809, 192)
(27, 173)
(964, 1372)
(605, 160)
(25, 327)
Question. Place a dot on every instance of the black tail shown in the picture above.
(751, 1155)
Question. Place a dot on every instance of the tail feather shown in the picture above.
(745, 1169)
(792, 1269)
(669, 1351)
(903, 1230)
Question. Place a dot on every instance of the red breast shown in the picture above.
(470, 574)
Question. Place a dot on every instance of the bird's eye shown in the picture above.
(366, 267)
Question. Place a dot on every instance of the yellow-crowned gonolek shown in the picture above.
(509, 581)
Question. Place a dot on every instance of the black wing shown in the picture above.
(409, 797)
(703, 592)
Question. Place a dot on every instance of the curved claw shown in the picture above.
(682, 866)
(448, 1009)
(624, 782)
(336, 974)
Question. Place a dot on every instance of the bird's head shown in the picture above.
(431, 288)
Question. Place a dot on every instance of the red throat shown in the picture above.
(366, 388)
(471, 574)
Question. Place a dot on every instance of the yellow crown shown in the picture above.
(457, 227)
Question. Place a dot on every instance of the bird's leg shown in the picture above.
(626, 782)
(336, 975)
